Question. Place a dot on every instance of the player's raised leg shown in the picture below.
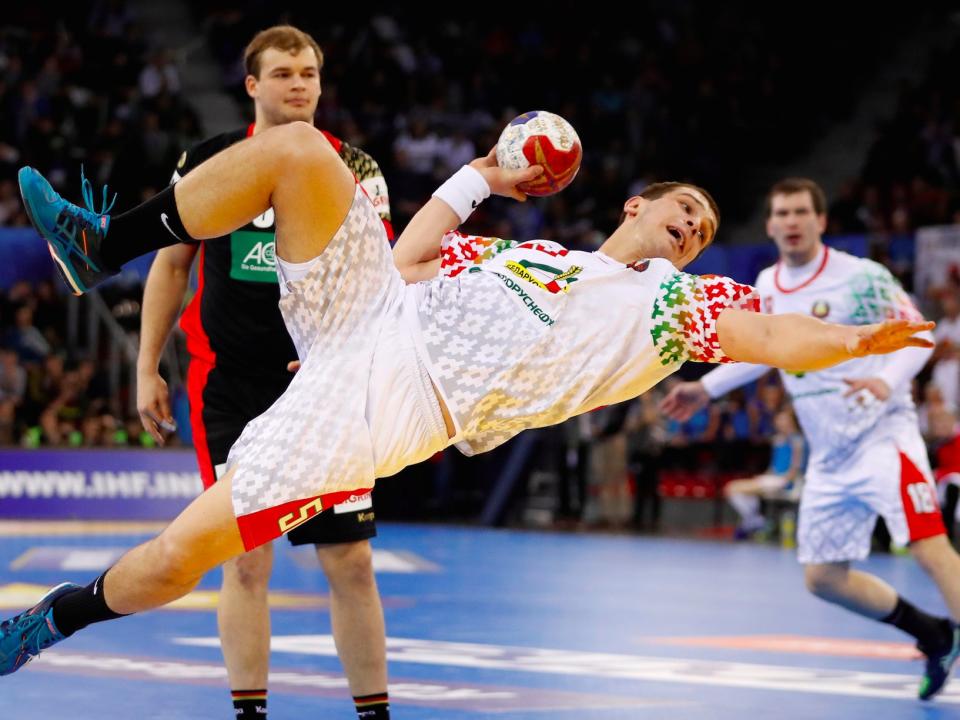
(291, 168)
(157, 572)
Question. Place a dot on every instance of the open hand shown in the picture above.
(887, 337)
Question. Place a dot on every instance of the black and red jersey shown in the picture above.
(234, 320)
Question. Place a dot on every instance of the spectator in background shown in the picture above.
(455, 151)
(62, 419)
(24, 338)
(10, 205)
(609, 501)
(932, 404)
(646, 437)
(946, 355)
(160, 75)
(943, 443)
(786, 467)
(13, 385)
(417, 148)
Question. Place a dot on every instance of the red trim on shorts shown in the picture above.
(202, 360)
(921, 524)
(262, 526)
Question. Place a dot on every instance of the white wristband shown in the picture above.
(464, 191)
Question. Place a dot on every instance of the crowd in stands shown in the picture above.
(50, 394)
(911, 175)
(687, 91)
(696, 92)
(82, 83)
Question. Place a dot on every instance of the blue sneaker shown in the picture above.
(939, 665)
(73, 233)
(23, 636)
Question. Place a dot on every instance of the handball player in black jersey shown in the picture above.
(239, 357)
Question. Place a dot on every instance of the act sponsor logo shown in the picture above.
(263, 253)
(253, 256)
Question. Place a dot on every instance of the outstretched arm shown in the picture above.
(799, 343)
(417, 251)
(162, 297)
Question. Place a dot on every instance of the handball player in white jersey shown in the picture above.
(488, 338)
(867, 457)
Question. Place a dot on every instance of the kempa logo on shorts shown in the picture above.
(354, 503)
(303, 513)
(527, 300)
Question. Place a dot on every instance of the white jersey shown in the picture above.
(522, 335)
(848, 290)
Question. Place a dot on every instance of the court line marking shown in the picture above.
(632, 667)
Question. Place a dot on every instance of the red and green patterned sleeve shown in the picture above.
(459, 252)
(685, 312)
(877, 296)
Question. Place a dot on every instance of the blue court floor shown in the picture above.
(492, 623)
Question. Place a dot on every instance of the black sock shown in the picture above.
(250, 704)
(74, 611)
(372, 707)
(931, 632)
(150, 226)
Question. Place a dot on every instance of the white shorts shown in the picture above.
(888, 475)
(360, 407)
(770, 482)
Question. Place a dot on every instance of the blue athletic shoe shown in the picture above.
(73, 233)
(939, 665)
(23, 636)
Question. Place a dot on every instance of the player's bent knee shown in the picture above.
(822, 580)
(930, 553)
(252, 569)
(347, 562)
(301, 142)
(173, 561)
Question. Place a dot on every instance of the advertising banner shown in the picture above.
(96, 484)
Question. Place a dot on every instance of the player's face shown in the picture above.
(795, 226)
(288, 88)
(676, 226)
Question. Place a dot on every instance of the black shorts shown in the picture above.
(221, 405)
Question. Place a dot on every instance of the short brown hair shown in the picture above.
(794, 185)
(654, 191)
(280, 37)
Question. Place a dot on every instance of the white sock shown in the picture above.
(748, 507)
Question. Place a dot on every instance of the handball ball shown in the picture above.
(541, 138)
